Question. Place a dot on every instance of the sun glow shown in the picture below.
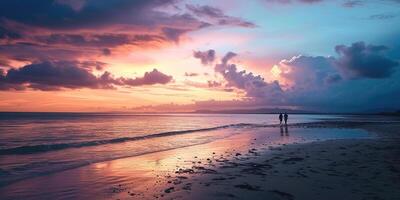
(275, 71)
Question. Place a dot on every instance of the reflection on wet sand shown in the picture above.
(284, 130)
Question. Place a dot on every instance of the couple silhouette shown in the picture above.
(283, 117)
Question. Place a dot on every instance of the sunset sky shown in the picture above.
(175, 55)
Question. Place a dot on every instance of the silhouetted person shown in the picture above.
(286, 118)
(280, 118)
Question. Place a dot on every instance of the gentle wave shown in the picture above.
(60, 146)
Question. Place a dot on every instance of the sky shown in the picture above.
(182, 56)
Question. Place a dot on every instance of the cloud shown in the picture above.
(344, 3)
(191, 74)
(98, 40)
(222, 67)
(71, 29)
(8, 34)
(106, 52)
(332, 78)
(212, 84)
(52, 76)
(76, 5)
(92, 14)
(149, 78)
(253, 85)
(217, 16)
(382, 16)
(206, 57)
(90, 65)
(59, 75)
(317, 83)
(173, 33)
(329, 83)
(352, 3)
(306, 72)
(292, 1)
(364, 61)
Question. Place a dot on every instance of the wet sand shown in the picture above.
(329, 160)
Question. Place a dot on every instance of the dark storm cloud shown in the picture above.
(206, 57)
(218, 15)
(364, 61)
(71, 75)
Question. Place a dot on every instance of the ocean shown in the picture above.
(33, 144)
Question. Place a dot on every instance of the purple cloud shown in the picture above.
(364, 61)
(291, 1)
(352, 3)
(307, 72)
(206, 57)
(149, 78)
(191, 74)
(212, 84)
(173, 33)
(71, 75)
(317, 82)
(106, 51)
(254, 85)
(72, 29)
(217, 16)
(97, 40)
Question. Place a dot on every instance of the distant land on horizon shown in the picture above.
(290, 111)
(256, 111)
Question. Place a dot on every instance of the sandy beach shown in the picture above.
(323, 160)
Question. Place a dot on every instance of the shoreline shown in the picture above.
(180, 175)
